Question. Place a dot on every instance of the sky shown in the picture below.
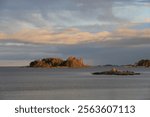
(100, 31)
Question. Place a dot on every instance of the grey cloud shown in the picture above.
(26, 52)
(52, 12)
(114, 52)
(57, 14)
(108, 55)
(103, 9)
(145, 1)
(97, 28)
(125, 42)
(141, 26)
(84, 14)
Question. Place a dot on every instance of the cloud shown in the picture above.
(130, 33)
(75, 36)
(68, 36)
(147, 20)
(103, 31)
(128, 38)
(99, 55)
(93, 53)
(2, 35)
(20, 14)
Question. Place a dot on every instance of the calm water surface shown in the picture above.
(69, 83)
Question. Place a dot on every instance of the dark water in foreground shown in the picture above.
(66, 83)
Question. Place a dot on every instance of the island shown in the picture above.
(115, 71)
(143, 62)
(71, 61)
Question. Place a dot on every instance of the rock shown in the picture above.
(39, 63)
(115, 71)
(73, 62)
(53, 62)
(143, 62)
(58, 62)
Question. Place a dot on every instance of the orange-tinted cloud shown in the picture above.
(69, 36)
(147, 20)
(72, 36)
(129, 33)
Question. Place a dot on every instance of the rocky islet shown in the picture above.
(58, 62)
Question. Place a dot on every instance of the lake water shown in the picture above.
(68, 83)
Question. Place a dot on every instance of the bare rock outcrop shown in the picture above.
(143, 62)
(58, 62)
(115, 71)
(73, 62)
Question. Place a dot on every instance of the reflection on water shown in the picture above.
(66, 83)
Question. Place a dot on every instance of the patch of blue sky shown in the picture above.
(133, 13)
(141, 26)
